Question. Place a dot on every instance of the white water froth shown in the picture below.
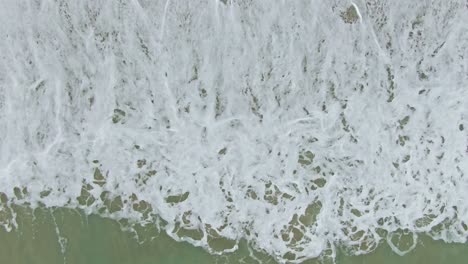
(297, 125)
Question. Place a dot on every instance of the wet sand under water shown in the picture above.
(68, 236)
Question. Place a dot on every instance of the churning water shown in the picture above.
(299, 126)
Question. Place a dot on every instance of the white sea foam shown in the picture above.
(297, 125)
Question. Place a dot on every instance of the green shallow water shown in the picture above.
(96, 240)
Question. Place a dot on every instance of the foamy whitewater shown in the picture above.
(300, 126)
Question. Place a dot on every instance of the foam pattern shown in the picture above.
(299, 126)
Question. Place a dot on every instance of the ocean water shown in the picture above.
(70, 236)
(298, 129)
